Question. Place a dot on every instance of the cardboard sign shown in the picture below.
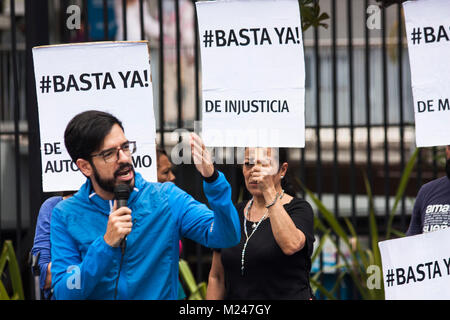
(428, 33)
(108, 76)
(417, 267)
(253, 73)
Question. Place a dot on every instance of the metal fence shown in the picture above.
(359, 111)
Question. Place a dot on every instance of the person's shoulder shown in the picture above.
(296, 203)
(159, 191)
(299, 206)
(163, 189)
(67, 206)
(151, 186)
(147, 188)
(165, 186)
(433, 185)
(47, 206)
(51, 202)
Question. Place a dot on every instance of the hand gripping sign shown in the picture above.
(253, 73)
(417, 267)
(108, 76)
(428, 33)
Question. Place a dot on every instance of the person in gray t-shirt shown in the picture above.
(432, 207)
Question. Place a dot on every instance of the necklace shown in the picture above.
(255, 226)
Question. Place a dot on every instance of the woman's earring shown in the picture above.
(281, 177)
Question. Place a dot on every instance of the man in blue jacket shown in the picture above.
(87, 229)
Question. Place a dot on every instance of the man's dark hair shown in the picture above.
(86, 131)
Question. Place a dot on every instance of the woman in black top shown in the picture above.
(273, 259)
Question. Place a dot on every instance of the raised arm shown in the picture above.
(219, 227)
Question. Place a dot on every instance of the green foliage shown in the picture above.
(9, 256)
(359, 260)
(197, 292)
(311, 15)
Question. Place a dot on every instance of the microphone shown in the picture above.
(122, 193)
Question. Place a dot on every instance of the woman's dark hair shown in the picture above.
(286, 182)
(159, 152)
(86, 131)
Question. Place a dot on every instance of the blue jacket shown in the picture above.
(84, 266)
(42, 243)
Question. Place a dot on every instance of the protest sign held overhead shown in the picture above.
(108, 76)
(417, 267)
(253, 73)
(428, 33)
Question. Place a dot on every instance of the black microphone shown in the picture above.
(122, 193)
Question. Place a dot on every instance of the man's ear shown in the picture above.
(85, 167)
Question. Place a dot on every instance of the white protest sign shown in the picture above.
(417, 267)
(108, 76)
(428, 33)
(253, 73)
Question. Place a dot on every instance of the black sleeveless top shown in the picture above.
(268, 272)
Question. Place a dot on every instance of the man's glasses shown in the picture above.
(112, 155)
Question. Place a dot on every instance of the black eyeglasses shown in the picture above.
(112, 154)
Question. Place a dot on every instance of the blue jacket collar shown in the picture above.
(87, 194)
